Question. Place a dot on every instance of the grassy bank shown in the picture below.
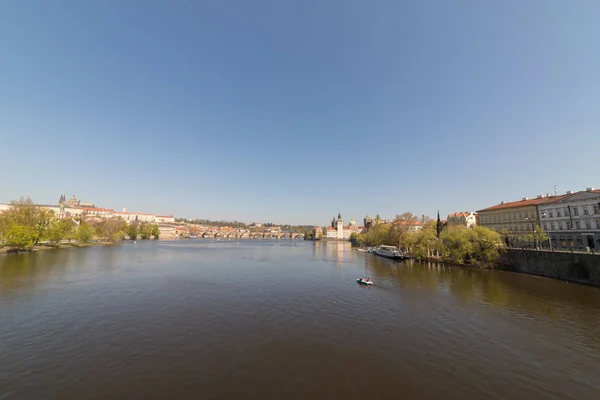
(54, 246)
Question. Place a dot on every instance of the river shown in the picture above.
(277, 319)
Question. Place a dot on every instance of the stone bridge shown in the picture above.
(574, 267)
(250, 235)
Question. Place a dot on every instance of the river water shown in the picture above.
(276, 319)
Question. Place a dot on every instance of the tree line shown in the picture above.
(25, 225)
(455, 244)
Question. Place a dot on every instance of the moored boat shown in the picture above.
(364, 281)
(390, 252)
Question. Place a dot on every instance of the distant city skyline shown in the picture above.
(290, 113)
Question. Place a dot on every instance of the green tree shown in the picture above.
(425, 243)
(155, 231)
(470, 246)
(19, 237)
(84, 232)
(112, 229)
(43, 220)
(69, 229)
(24, 212)
(4, 225)
(145, 230)
(539, 236)
(456, 245)
(55, 232)
(132, 231)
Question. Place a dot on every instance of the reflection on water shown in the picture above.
(272, 319)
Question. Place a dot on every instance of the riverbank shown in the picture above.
(54, 246)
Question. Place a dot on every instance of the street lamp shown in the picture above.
(532, 230)
(549, 240)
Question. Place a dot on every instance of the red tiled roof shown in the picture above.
(459, 214)
(413, 223)
(523, 203)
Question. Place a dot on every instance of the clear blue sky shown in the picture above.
(290, 111)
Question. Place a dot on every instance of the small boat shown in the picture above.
(362, 281)
(390, 252)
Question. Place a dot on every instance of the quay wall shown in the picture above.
(575, 267)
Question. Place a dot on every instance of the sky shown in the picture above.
(292, 111)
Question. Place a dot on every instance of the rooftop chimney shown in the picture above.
(502, 202)
(525, 198)
(539, 196)
(569, 192)
(589, 189)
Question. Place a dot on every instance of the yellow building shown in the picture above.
(516, 217)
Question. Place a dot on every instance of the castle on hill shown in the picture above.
(73, 202)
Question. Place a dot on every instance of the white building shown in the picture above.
(411, 226)
(99, 212)
(573, 221)
(468, 219)
(337, 230)
(167, 219)
(136, 217)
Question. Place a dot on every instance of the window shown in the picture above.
(580, 242)
(560, 225)
(588, 225)
(514, 215)
(520, 216)
(558, 212)
(585, 210)
(552, 225)
(575, 211)
(577, 225)
(544, 214)
(550, 213)
(597, 209)
(568, 224)
(567, 212)
(598, 224)
(545, 226)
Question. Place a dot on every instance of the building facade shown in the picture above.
(338, 231)
(317, 232)
(466, 218)
(518, 218)
(573, 222)
(411, 226)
